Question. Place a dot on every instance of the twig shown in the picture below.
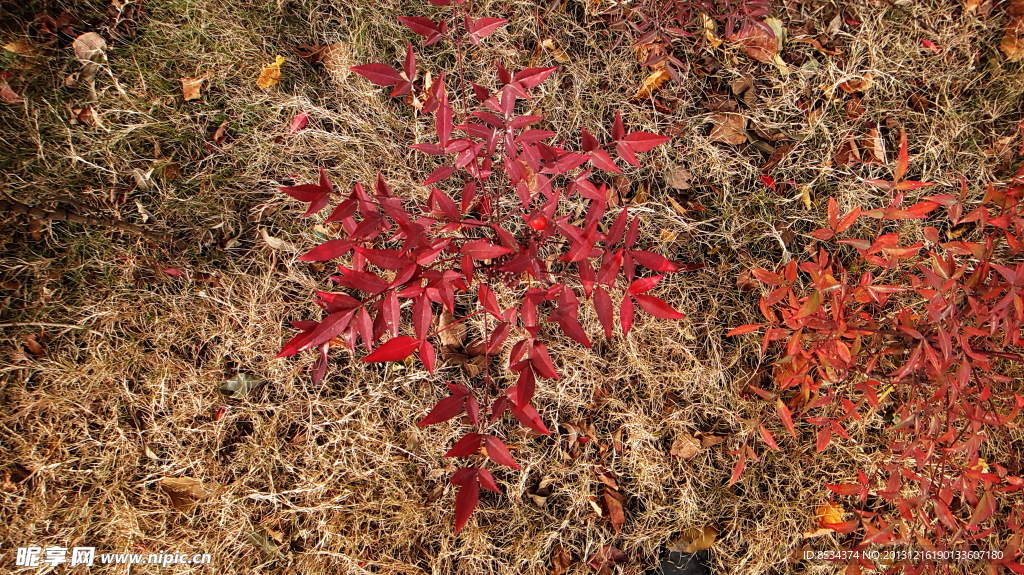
(13, 206)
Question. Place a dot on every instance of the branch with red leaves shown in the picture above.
(498, 225)
(937, 344)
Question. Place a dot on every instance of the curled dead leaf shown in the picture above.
(271, 74)
(90, 47)
(694, 539)
(276, 243)
(652, 83)
(549, 46)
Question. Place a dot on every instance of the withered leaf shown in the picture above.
(191, 88)
(694, 539)
(34, 347)
(90, 47)
(607, 556)
(685, 447)
(613, 500)
(271, 74)
(678, 177)
(185, 492)
(312, 54)
(561, 560)
(758, 43)
(729, 128)
(549, 46)
(1012, 43)
(651, 83)
(7, 94)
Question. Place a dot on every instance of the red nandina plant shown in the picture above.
(496, 222)
(931, 330)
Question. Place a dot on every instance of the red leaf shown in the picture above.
(747, 328)
(465, 502)
(482, 27)
(298, 123)
(603, 161)
(902, 159)
(785, 416)
(845, 488)
(653, 261)
(532, 77)
(466, 446)
(442, 173)
(394, 349)
(420, 25)
(498, 337)
(657, 307)
(528, 417)
(444, 410)
(824, 438)
(618, 131)
(644, 141)
(331, 326)
(767, 437)
(541, 361)
(488, 301)
(380, 74)
(626, 314)
(644, 285)
(487, 480)
(498, 453)
(483, 250)
(985, 508)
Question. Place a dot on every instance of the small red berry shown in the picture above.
(539, 223)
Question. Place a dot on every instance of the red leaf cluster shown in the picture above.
(496, 243)
(929, 331)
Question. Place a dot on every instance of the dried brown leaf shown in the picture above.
(191, 88)
(729, 128)
(685, 447)
(271, 74)
(185, 492)
(549, 46)
(651, 83)
(613, 500)
(561, 560)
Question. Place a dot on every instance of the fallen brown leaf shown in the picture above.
(694, 539)
(34, 347)
(758, 43)
(828, 513)
(7, 94)
(549, 45)
(271, 74)
(185, 492)
(1013, 34)
(191, 88)
(729, 128)
(20, 46)
(613, 505)
(685, 447)
(651, 83)
(859, 84)
(561, 560)
(678, 177)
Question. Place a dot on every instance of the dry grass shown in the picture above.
(126, 394)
